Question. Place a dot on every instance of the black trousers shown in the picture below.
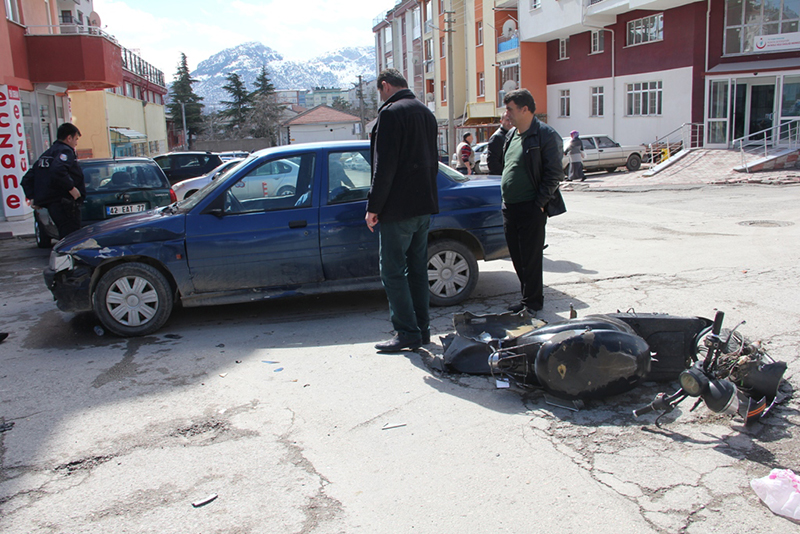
(524, 227)
(66, 214)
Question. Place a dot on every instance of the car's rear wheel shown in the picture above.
(133, 299)
(634, 162)
(286, 191)
(452, 272)
(42, 239)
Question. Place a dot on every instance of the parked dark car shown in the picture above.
(238, 240)
(182, 165)
(113, 187)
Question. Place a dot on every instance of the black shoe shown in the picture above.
(426, 338)
(397, 343)
(516, 308)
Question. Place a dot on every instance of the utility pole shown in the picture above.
(185, 134)
(360, 94)
(451, 125)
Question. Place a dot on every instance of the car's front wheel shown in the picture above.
(133, 299)
(634, 162)
(452, 272)
(42, 239)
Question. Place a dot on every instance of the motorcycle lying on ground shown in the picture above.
(603, 355)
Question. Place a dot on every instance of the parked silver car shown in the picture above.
(601, 153)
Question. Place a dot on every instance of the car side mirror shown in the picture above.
(616, 145)
(217, 207)
(216, 212)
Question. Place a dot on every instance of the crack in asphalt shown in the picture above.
(321, 507)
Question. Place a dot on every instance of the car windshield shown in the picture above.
(452, 173)
(190, 202)
(122, 175)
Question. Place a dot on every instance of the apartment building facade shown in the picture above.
(640, 69)
(43, 55)
(478, 41)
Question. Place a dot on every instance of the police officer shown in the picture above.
(58, 181)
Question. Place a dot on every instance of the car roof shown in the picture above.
(130, 159)
(189, 152)
(356, 144)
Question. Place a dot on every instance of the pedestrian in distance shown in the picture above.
(532, 170)
(494, 150)
(56, 181)
(466, 156)
(403, 195)
(576, 154)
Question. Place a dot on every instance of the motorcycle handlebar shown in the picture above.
(646, 409)
(717, 328)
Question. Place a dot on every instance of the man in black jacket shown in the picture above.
(531, 173)
(494, 150)
(402, 197)
(58, 181)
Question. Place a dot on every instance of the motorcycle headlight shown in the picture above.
(694, 382)
(721, 397)
(60, 262)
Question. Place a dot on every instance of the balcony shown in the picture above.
(508, 42)
(136, 65)
(82, 57)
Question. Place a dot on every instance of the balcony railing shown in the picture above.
(135, 64)
(507, 42)
(68, 29)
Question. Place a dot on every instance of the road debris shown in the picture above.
(387, 426)
(203, 502)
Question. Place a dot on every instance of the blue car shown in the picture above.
(252, 235)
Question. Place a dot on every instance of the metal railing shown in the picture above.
(783, 136)
(686, 136)
(68, 29)
(507, 42)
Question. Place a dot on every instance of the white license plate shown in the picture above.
(127, 208)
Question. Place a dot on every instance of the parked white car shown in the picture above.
(601, 153)
(187, 188)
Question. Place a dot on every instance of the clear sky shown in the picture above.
(299, 29)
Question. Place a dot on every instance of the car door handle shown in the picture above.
(298, 224)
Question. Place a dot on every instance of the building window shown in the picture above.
(442, 47)
(444, 90)
(481, 84)
(598, 41)
(128, 89)
(644, 99)
(563, 48)
(441, 6)
(646, 30)
(403, 26)
(415, 20)
(66, 16)
(536, 4)
(563, 103)
(12, 11)
(509, 77)
(428, 17)
(745, 22)
(479, 33)
(598, 101)
(387, 37)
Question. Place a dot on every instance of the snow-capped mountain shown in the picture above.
(339, 68)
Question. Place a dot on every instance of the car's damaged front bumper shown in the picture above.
(69, 282)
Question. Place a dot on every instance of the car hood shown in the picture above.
(154, 225)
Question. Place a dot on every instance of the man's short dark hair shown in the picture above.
(65, 130)
(392, 77)
(521, 98)
(464, 137)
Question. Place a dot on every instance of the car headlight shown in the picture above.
(60, 262)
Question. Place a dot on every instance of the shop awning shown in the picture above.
(131, 135)
(756, 66)
(482, 121)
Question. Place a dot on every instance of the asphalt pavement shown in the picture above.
(284, 411)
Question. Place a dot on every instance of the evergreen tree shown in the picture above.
(239, 107)
(181, 93)
(265, 115)
(264, 86)
(342, 104)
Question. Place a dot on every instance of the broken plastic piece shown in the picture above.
(203, 502)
